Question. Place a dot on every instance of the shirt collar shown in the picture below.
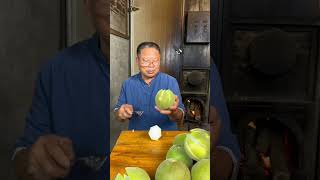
(152, 81)
(94, 46)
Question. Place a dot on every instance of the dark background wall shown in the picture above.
(235, 25)
(29, 35)
(78, 26)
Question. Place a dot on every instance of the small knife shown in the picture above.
(138, 113)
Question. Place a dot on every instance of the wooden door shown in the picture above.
(159, 21)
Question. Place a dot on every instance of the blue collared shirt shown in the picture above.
(141, 96)
(226, 137)
(71, 99)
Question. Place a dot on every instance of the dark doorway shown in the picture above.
(268, 56)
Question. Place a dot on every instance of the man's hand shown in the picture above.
(173, 112)
(224, 169)
(214, 132)
(124, 112)
(172, 109)
(218, 156)
(215, 125)
(50, 157)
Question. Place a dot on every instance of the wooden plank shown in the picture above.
(136, 149)
(159, 21)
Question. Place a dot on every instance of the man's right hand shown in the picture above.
(224, 170)
(50, 157)
(125, 112)
(215, 122)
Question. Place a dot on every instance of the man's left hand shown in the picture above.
(225, 168)
(172, 109)
(173, 112)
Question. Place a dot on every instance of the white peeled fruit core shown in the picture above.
(155, 133)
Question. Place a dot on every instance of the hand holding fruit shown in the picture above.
(171, 109)
(167, 103)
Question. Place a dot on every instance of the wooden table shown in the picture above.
(136, 149)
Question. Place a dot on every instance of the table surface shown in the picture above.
(136, 149)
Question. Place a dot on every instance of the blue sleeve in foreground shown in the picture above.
(176, 90)
(226, 137)
(38, 119)
(122, 97)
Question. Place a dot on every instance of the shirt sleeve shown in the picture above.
(226, 138)
(176, 90)
(122, 97)
(38, 118)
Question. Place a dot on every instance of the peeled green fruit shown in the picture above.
(122, 177)
(165, 99)
(178, 153)
(201, 170)
(200, 131)
(179, 139)
(119, 177)
(134, 173)
(171, 169)
(197, 144)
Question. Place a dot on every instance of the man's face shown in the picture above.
(149, 62)
(99, 12)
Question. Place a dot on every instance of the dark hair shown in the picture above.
(147, 45)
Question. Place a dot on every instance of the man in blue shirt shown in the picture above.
(136, 102)
(225, 148)
(67, 128)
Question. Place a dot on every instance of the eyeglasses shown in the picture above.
(148, 63)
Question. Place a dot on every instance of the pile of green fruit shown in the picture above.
(187, 148)
(187, 159)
